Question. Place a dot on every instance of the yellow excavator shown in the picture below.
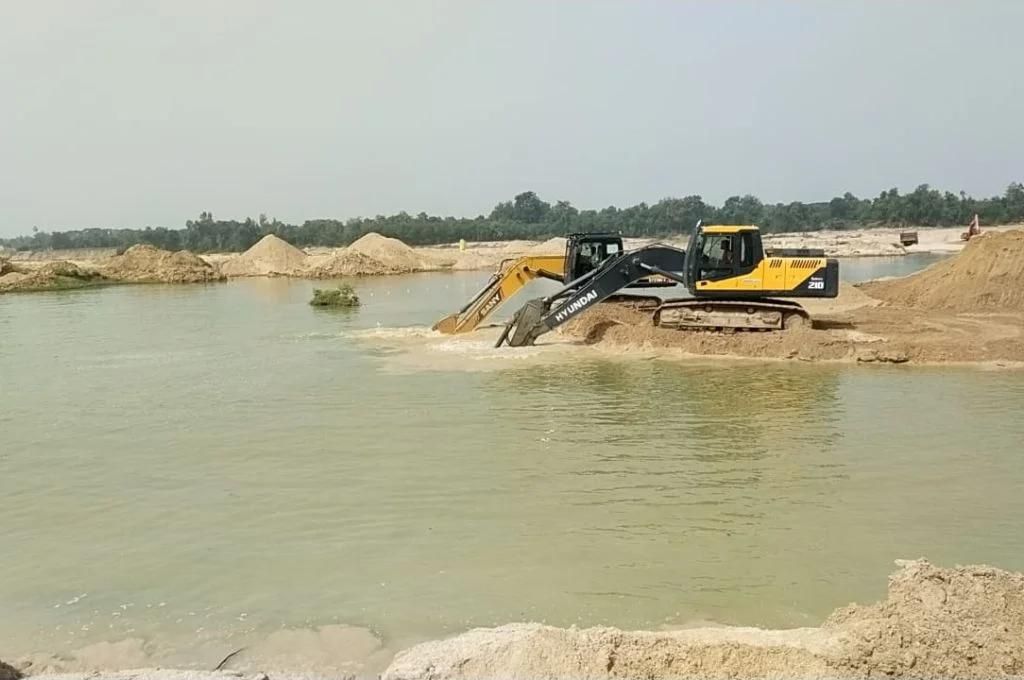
(584, 252)
(733, 283)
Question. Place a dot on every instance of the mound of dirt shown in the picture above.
(393, 253)
(966, 622)
(270, 256)
(988, 275)
(553, 246)
(348, 263)
(146, 264)
(372, 254)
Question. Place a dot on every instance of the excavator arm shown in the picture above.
(506, 282)
(541, 315)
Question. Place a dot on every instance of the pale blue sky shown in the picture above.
(137, 112)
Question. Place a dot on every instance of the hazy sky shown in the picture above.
(143, 112)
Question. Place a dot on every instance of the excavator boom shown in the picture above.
(505, 283)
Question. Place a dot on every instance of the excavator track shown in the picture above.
(711, 314)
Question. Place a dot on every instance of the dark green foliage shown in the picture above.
(342, 296)
(529, 217)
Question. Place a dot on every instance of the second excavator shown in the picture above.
(733, 283)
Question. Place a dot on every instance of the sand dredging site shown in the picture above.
(968, 308)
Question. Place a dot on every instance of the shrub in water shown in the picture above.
(342, 296)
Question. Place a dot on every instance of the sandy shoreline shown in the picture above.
(949, 622)
(880, 242)
(376, 255)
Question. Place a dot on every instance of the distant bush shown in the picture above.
(342, 296)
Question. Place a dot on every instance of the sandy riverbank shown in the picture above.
(376, 255)
(948, 622)
(967, 309)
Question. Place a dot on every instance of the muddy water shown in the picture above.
(192, 465)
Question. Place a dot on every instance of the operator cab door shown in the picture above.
(728, 261)
(587, 255)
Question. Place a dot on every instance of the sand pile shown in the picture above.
(270, 256)
(390, 251)
(966, 622)
(146, 264)
(988, 275)
(369, 255)
(553, 246)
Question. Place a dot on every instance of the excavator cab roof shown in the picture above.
(727, 228)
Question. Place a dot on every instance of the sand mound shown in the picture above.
(270, 256)
(966, 622)
(146, 264)
(393, 253)
(553, 246)
(348, 263)
(370, 255)
(988, 275)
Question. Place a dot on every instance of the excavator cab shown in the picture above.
(585, 252)
(716, 253)
(731, 261)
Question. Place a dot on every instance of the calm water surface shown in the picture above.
(190, 462)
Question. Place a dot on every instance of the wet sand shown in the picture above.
(949, 622)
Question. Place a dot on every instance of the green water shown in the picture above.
(205, 461)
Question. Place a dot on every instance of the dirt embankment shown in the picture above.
(59, 275)
(138, 264)
(969, 308)
(988, 276)
(966, 622)
(147, 264)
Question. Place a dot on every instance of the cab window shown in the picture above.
(717, 257)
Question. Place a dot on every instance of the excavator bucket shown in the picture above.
(447, 325)
(524, 327)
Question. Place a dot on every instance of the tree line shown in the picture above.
(527, 216)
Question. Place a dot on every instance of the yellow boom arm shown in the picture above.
(506, 282)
